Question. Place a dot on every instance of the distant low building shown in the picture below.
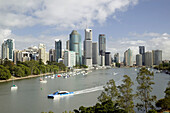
(108, 58)
(116, 58)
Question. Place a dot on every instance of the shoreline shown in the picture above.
(26, 77)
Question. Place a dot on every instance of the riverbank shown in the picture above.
(26, 77)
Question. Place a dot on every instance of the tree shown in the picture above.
(125, 99)
(40, 62)
(18, 71)
(144, 79)
(165, 102)
(110, 92)
(4, 73)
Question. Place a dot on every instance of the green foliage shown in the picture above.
(105, 107)
(42, 68)
(152, 111)
(36, 71)
(164, 103)
(144, 79)
(29, 68)
(18, 71)
(163, 66)
(80, 66)
(48, 112)
(110, 92)
(117, 64)
(4, 73)
(125, 99)
(40, 62)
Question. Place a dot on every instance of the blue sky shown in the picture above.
(126, 23)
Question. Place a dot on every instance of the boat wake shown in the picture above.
(89, 90)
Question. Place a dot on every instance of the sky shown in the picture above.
(126, 23)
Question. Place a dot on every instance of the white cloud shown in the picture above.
(150, 34)
(60, 13)
(161, 41)
(29, 41)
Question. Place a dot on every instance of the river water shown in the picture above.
(31, 96)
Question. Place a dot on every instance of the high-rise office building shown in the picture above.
(69, 58)
(116, 58)
(75, 45)
(138, 60)
(102, 48)
(142, 52)
(94, 53)
(88, 48)
(8, 47)
(102, 44)
(42, 53)
(51, 55)
(58, 49)
(107, 58)
(157, 57)
(128, 59)
(67, 45)
(148, 59)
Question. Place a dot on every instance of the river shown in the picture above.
(31, 96)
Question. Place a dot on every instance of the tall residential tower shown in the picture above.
(75, 45)
(8, 47)
(88, 47)
(58, 49)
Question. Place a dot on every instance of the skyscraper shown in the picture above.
(142, 52)
(51, 55)
(138, 60)
(75, 45)
(8, 47)
(157, 57)
(102, 44)
(88, 47)
(107, 58)
(58, 49)
(102, 48)
(128, 59)
(94, 53)
(148, 59)
(42, 52)
(67, 45)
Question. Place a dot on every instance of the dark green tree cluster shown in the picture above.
(22, 69)
(4, 73)
(163, 66)
(117, 64)
(105, 107)
(80, 66)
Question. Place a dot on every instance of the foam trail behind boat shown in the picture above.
(93, 89)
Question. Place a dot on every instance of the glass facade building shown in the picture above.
(58, 49)
(102, 44)
(8, 47)
(76, 46)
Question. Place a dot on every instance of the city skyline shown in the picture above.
(128, 25)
